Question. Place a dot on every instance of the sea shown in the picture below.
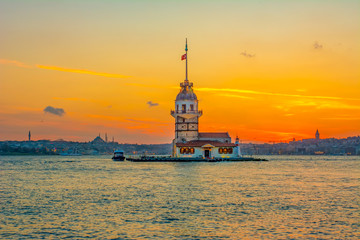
(93, 197)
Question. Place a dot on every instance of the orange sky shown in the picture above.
(264, 70)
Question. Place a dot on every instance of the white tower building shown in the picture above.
(186, 111)
(186, 114)
(188, 142)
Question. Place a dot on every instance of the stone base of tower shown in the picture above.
(208, 145)
(173, 148)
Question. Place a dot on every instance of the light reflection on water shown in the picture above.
(94, 197)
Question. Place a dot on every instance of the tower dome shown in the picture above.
(186, 92)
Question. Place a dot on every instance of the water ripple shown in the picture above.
(94, 197)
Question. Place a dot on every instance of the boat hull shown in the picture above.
(119, 158)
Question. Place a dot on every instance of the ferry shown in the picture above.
(118, 155)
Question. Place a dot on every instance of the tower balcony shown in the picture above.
(186, 113)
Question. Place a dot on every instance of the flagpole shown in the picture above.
(186, 49)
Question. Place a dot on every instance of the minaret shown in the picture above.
(237, 149)
(29, 136)
(186, 111)
(317, 135)
(106, 139)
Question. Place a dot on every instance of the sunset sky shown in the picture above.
(262, 70)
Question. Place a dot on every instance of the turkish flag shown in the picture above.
(183, 57)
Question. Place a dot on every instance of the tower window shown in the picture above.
(183, 108)
(192, 107)
(177, 107)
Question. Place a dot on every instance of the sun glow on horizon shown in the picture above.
(260, 69)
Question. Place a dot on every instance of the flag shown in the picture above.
(183, 57)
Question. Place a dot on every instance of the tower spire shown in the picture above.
(186, 49)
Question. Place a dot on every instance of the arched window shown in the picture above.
(187, 150)
(230, 150)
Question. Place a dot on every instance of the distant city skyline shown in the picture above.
(263, 70)
(105, 139)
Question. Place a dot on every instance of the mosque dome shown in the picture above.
(186, 93)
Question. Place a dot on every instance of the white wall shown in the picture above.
(214, 153)
(187, 103)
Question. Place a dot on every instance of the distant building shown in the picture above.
(29, 136)
(98, 140)
(317, 135)
(188, 141)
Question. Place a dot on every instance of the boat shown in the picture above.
(118, 155)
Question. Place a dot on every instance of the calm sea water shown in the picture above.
(93, 197)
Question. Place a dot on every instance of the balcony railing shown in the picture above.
(186, 111)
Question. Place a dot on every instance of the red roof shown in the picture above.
(214, 135)
(200, 143)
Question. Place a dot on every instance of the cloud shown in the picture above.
(321, 104)
(56, 111)
(234, 90)
(317, 104)
(14, 63)
(82, 71)
(234, 96)
(317, 46)
(151, 104)
(107, 118)
(248, 55)
(150, 121)
(343, 118)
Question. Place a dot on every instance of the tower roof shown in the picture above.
(214, 135)
(186, 92)
(200, 143)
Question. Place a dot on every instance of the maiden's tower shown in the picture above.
(188, 141)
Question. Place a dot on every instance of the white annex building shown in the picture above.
(189, 142)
